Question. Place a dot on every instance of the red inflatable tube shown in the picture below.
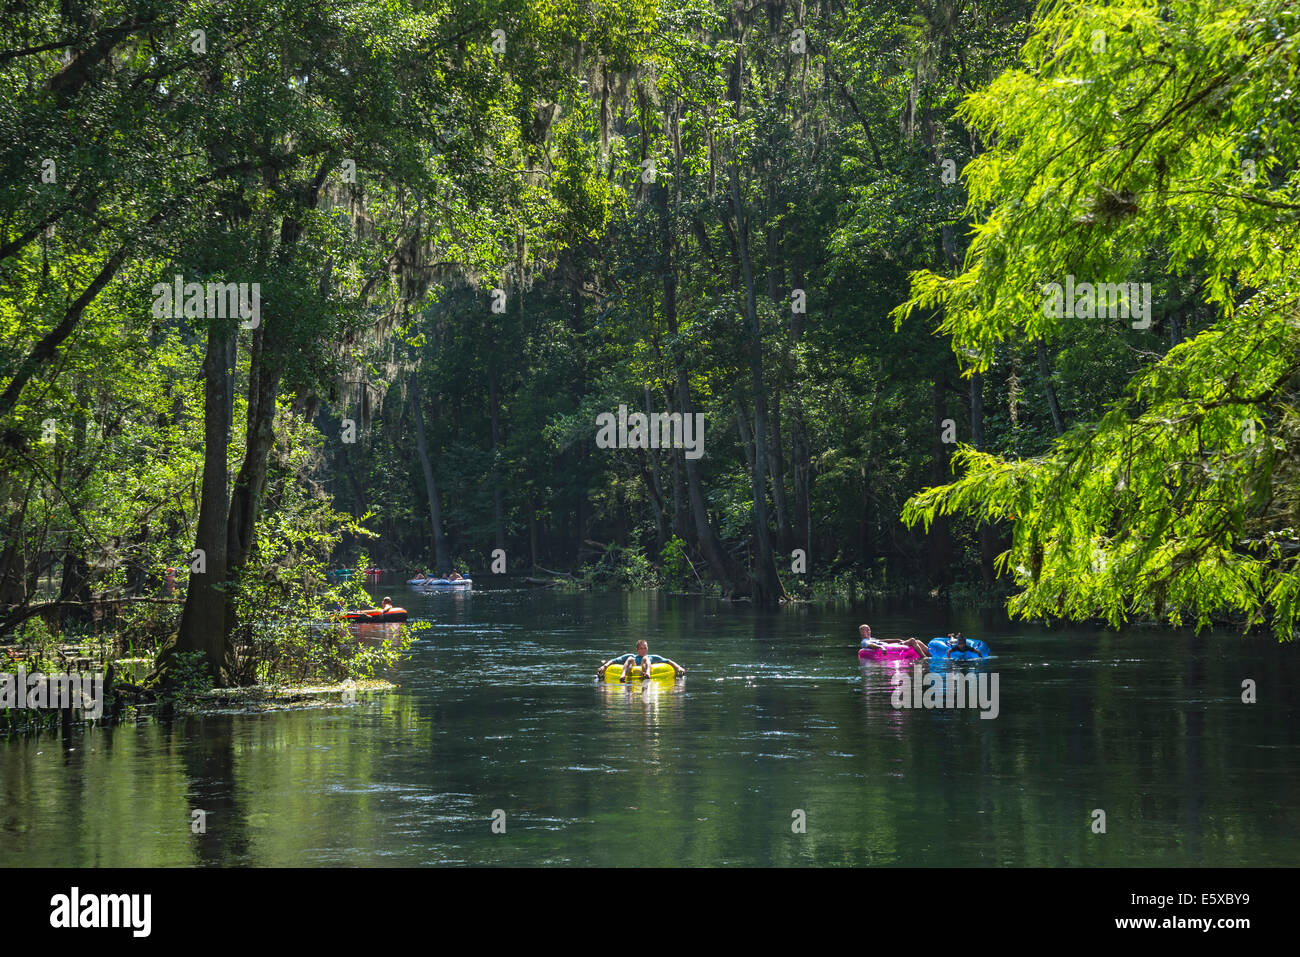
(375, 614)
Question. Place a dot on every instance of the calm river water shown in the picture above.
(776, 725)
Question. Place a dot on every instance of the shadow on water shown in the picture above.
(220, 833)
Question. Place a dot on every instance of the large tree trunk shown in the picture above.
(800, 451)
(250, 482)
(776, 466)
(75, 584)
(775, 288)
(441, 554)
(203, 621)
(767, 585)
(241, 506)
(13, 558)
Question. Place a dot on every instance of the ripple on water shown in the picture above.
(500, 697)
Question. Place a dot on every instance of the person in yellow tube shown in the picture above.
(641, 659)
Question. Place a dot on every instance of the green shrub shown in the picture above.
(678, 575)
(623, 567)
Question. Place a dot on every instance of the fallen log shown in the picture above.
(18, 617)
(554, 574)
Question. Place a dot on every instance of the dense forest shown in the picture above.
(962, 298)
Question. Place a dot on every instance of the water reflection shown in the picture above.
(496, 709)
(878, 682)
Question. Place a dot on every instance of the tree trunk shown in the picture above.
(940, 538)
(13, 559)
(866, 529)
(681, 517)
(867, 535)
(250, 483)
(745, 433)
(767, 585)
(987, 539)
(441, 555)
(1045, 372)
(776, 466)
(650, 471)
(534, 533)
(799, 448)
(203, 621)
(498, 510)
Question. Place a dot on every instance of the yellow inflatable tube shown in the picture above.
(659, 671)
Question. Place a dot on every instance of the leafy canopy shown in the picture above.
(1143, 133)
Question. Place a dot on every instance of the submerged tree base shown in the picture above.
(126, 702)
(260, 698)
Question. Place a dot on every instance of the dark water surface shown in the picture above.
(498, 709)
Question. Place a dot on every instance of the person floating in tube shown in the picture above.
(916, 644)
(957, 642)
(386, 605)
(641, 659)
(454, 577)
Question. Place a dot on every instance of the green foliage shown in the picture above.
(597, 174)
(1176, 144)
(676, 571)
(620, 567)
(190, 678)
(39, 645)
(586, 329)
(287, 629)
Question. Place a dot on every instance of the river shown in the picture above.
(777, 748)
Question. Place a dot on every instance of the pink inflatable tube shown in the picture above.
(892, 653)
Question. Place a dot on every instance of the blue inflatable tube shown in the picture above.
(942, 648)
